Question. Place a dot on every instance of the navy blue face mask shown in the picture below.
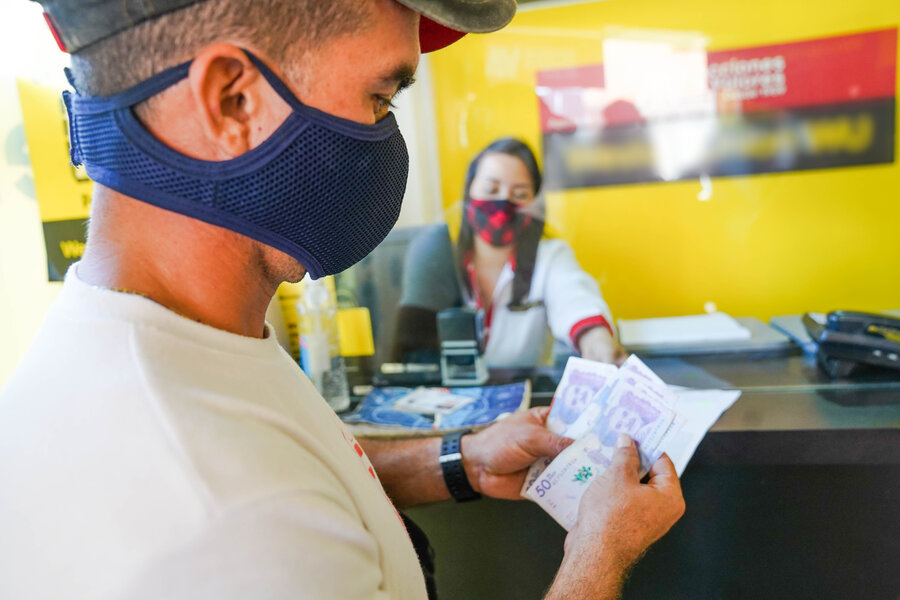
(323, 189)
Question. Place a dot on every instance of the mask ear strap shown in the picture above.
(161, 81)
(274, 81)
(87, 105)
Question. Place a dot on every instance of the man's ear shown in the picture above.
(232, 98)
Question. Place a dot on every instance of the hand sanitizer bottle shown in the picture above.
(320, 348)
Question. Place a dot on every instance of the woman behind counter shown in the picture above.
(525, 283)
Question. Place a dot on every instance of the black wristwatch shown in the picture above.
(452, 468)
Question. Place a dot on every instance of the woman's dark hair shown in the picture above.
(528, 239)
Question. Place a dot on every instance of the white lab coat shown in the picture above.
(561, 296)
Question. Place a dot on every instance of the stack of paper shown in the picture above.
(694, 329)
(596, 402)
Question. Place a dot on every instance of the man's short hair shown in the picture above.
(283, 29)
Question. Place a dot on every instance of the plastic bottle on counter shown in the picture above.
(320, 348)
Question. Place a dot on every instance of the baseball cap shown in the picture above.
(76, 24)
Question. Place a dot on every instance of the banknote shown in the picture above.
(635, 366)
(631, 399)
(581, 382)
(559, 488)
(634, 401)
(637, 409)
(631, 409)
(533, 473)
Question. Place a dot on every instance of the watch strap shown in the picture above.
(452, 467)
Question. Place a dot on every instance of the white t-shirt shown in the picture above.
(144, 455)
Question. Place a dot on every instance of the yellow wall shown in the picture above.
(762, 245)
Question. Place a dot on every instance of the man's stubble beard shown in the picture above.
(276, 266)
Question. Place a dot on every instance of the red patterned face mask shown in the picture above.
(497, 222)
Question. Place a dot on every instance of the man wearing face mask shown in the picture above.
(156, 442)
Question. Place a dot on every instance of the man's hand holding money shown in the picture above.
(497, 458)
(618, 519)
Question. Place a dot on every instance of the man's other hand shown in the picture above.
(621, 516)
(497, 458)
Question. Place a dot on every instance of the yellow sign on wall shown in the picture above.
(759, 245)
(63, 192)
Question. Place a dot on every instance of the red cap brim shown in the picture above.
(434, 36)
